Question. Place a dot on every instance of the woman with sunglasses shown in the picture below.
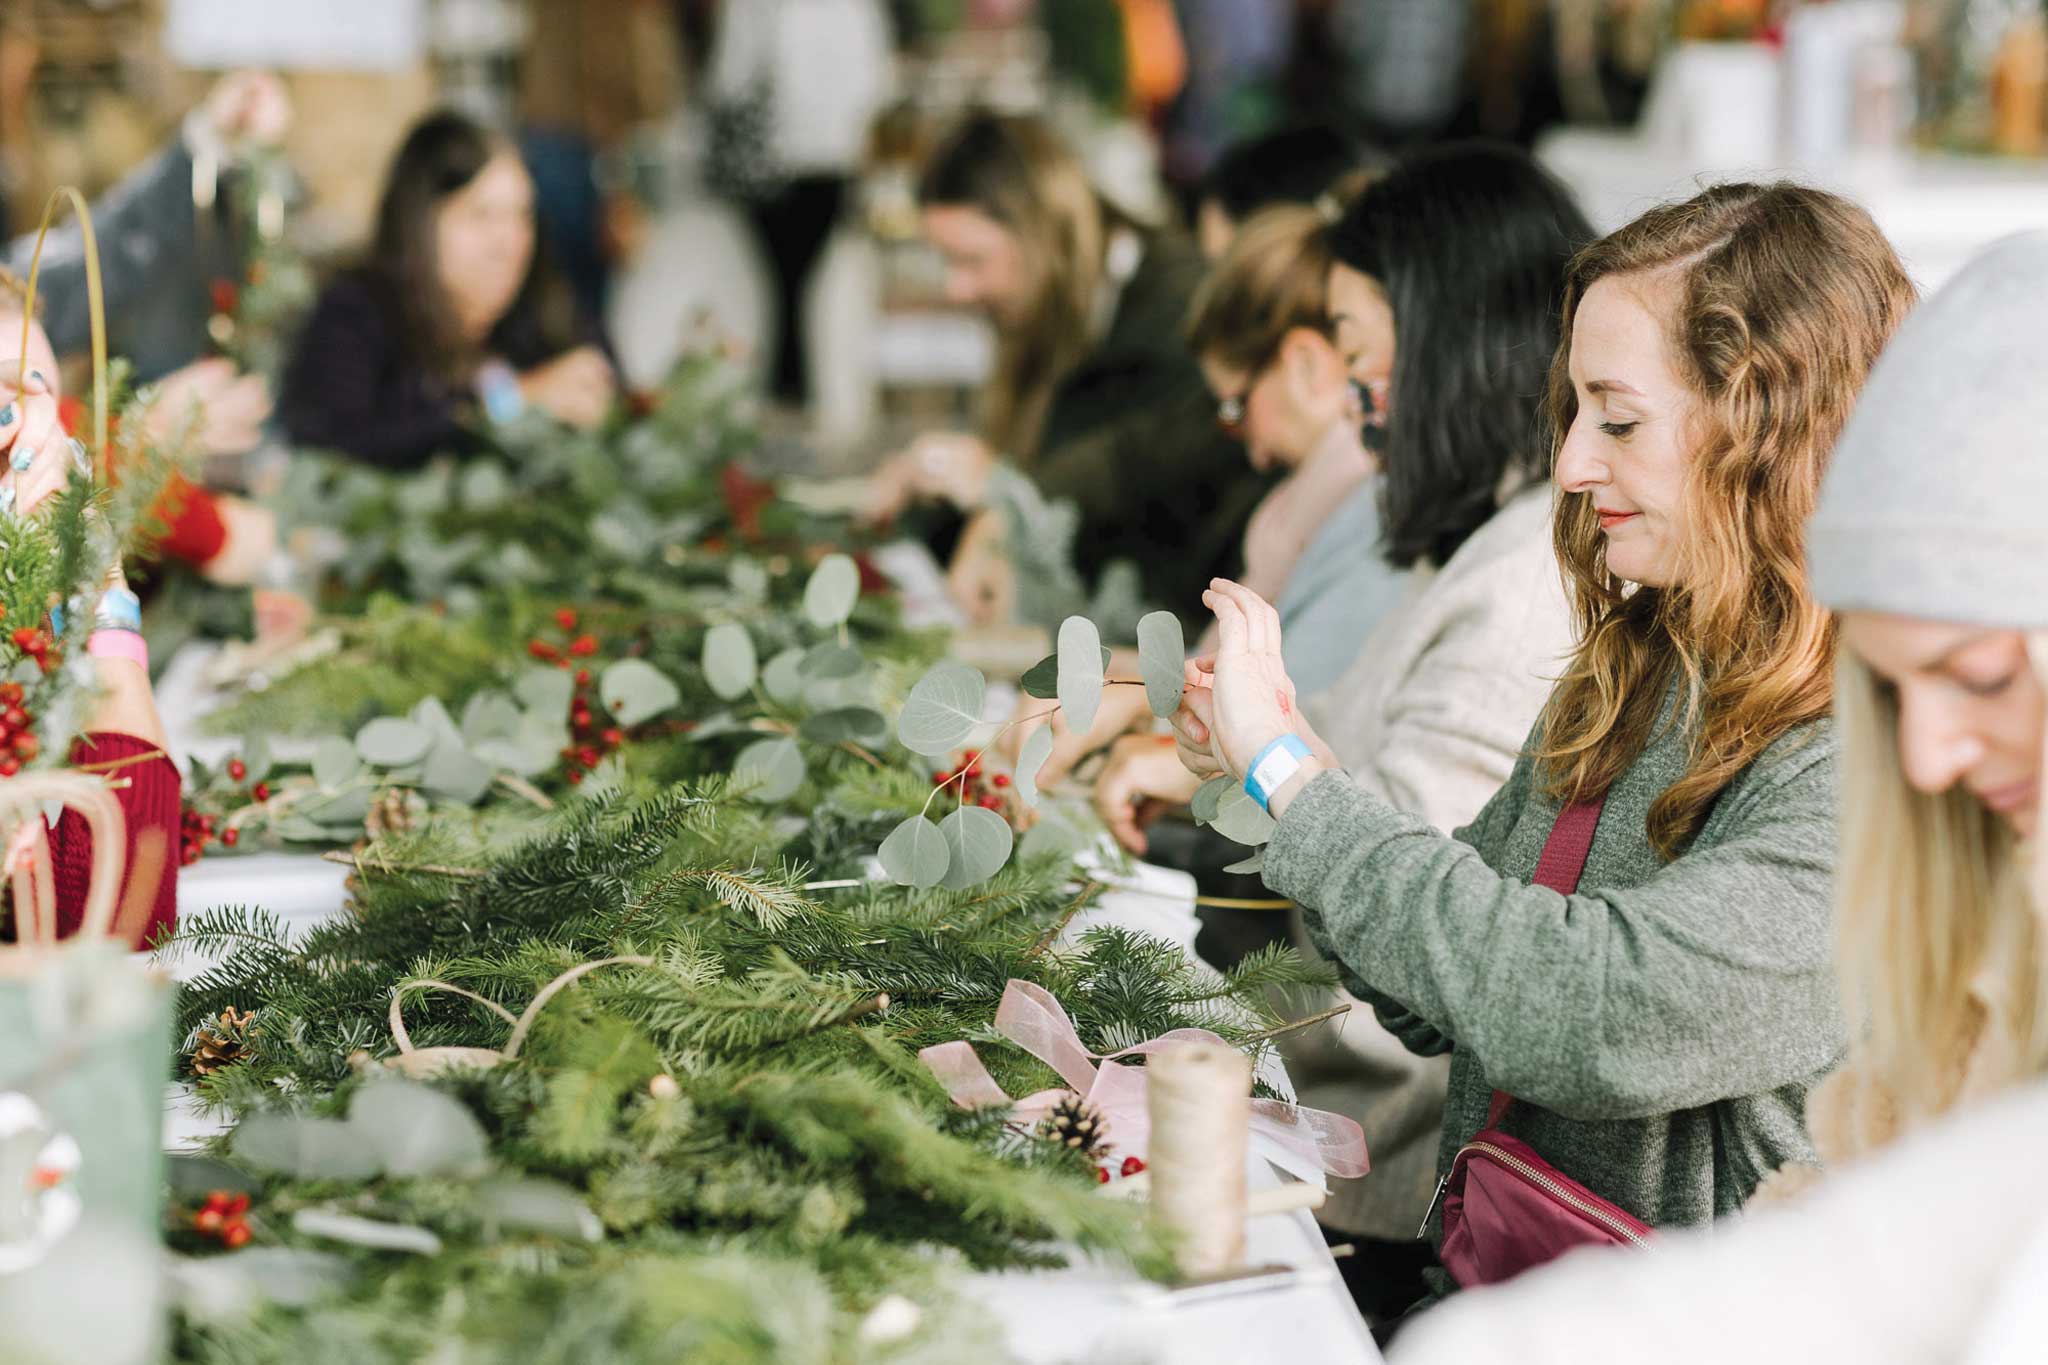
(1444, 287)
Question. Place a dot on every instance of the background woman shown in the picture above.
(454, 318)
(1429, 709)
(1940, 572)
(1094, 398)
(1656, 1029)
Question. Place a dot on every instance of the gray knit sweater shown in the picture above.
(1662, 1025)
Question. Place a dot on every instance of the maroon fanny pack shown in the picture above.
(1506, 1209)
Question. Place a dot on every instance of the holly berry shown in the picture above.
(1102, 1175)
(10, 694)
(237, 770)
(235, 1235)
(565, 617)
(583, 677)
(613, 737)
(25, 746)
(209, 1219)
(231, 836)
(16, 718)
(575, 778)
(990, 803)
(541, 649)
(239, 1205)
(262, 792)
(29, 640)
(1132, 1165)
(583, 646)
(9, 766)
(588, 756)
(1001, 779)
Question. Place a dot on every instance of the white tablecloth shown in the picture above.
(1083, 1312)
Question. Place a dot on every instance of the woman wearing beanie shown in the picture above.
(1640, 1025)
(1933, 1247)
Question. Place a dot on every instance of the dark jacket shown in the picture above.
(353, 386)
(1131, 437)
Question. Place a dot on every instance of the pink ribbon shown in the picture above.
(1306, 1143)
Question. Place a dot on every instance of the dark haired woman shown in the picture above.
(454, 322)
(1093, 397)
(1431, 712)
(1298, 165)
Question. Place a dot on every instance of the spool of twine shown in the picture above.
(1199, 1098)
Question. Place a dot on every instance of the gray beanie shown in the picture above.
(1936, 501)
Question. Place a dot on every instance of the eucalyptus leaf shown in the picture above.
(833, 661)
(1162, 655)
(392, 743)
(1054, 836)
(1208, 795)
(484, 485)
(1250, 866)
(335, 762)
(546, 690)
(455, 774)
(635, 691)
(749, 579)
(433, 717)
(1240, 818)
(833, 589)
(783, 678)
(942, 709)
(845, 725)
(1037, 748)
(543, 1206)
(915, 854)
(978, 843)
(1080, 673)
(730, 664)
(769, 770)
(366, 1232)
(1042, 679)
(307, 1148)
(490, 715)
(416, 1130)
(297, 829)
(256, 758)
(344, 808)
(291, 1277)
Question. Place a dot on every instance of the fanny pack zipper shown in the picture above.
(1534, 1177)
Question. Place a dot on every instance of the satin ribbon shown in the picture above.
(1306, 1143)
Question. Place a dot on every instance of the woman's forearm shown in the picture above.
(126, 705)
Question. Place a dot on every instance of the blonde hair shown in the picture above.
(1939, 920)
(1784, 296)
(1274, 277)
(1017, 172)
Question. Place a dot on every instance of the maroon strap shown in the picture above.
(1559, 867)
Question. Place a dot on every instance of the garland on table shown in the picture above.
(691, 770)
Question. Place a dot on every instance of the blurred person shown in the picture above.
(1938, 571)
(1428, 707)
(797, 84)
(1299, 165)
(1626, 952)
(123, 734)
(1093, 396)
(455, 320)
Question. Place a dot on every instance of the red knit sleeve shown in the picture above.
(152, 804)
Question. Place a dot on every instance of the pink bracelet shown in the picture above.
(118, 644)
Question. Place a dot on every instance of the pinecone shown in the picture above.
(396, 811)
(1074, 1123)
(213, 1050)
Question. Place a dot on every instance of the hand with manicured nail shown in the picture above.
(34, 441)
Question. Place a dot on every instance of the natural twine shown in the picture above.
(1199, 1099)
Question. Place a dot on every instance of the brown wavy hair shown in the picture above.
(1274, 277)
(1018, 172)
(1781, 298)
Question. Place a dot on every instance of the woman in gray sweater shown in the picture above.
(1657, 1027)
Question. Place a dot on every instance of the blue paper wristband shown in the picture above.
(1276, 763)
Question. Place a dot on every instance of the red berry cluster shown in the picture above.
(1132, 1165)
(195, 832)
(18, 742)
(238, 771)
(35, 642)
(591, 743)
(581, 647)
(224, 1217)
(990, 791)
